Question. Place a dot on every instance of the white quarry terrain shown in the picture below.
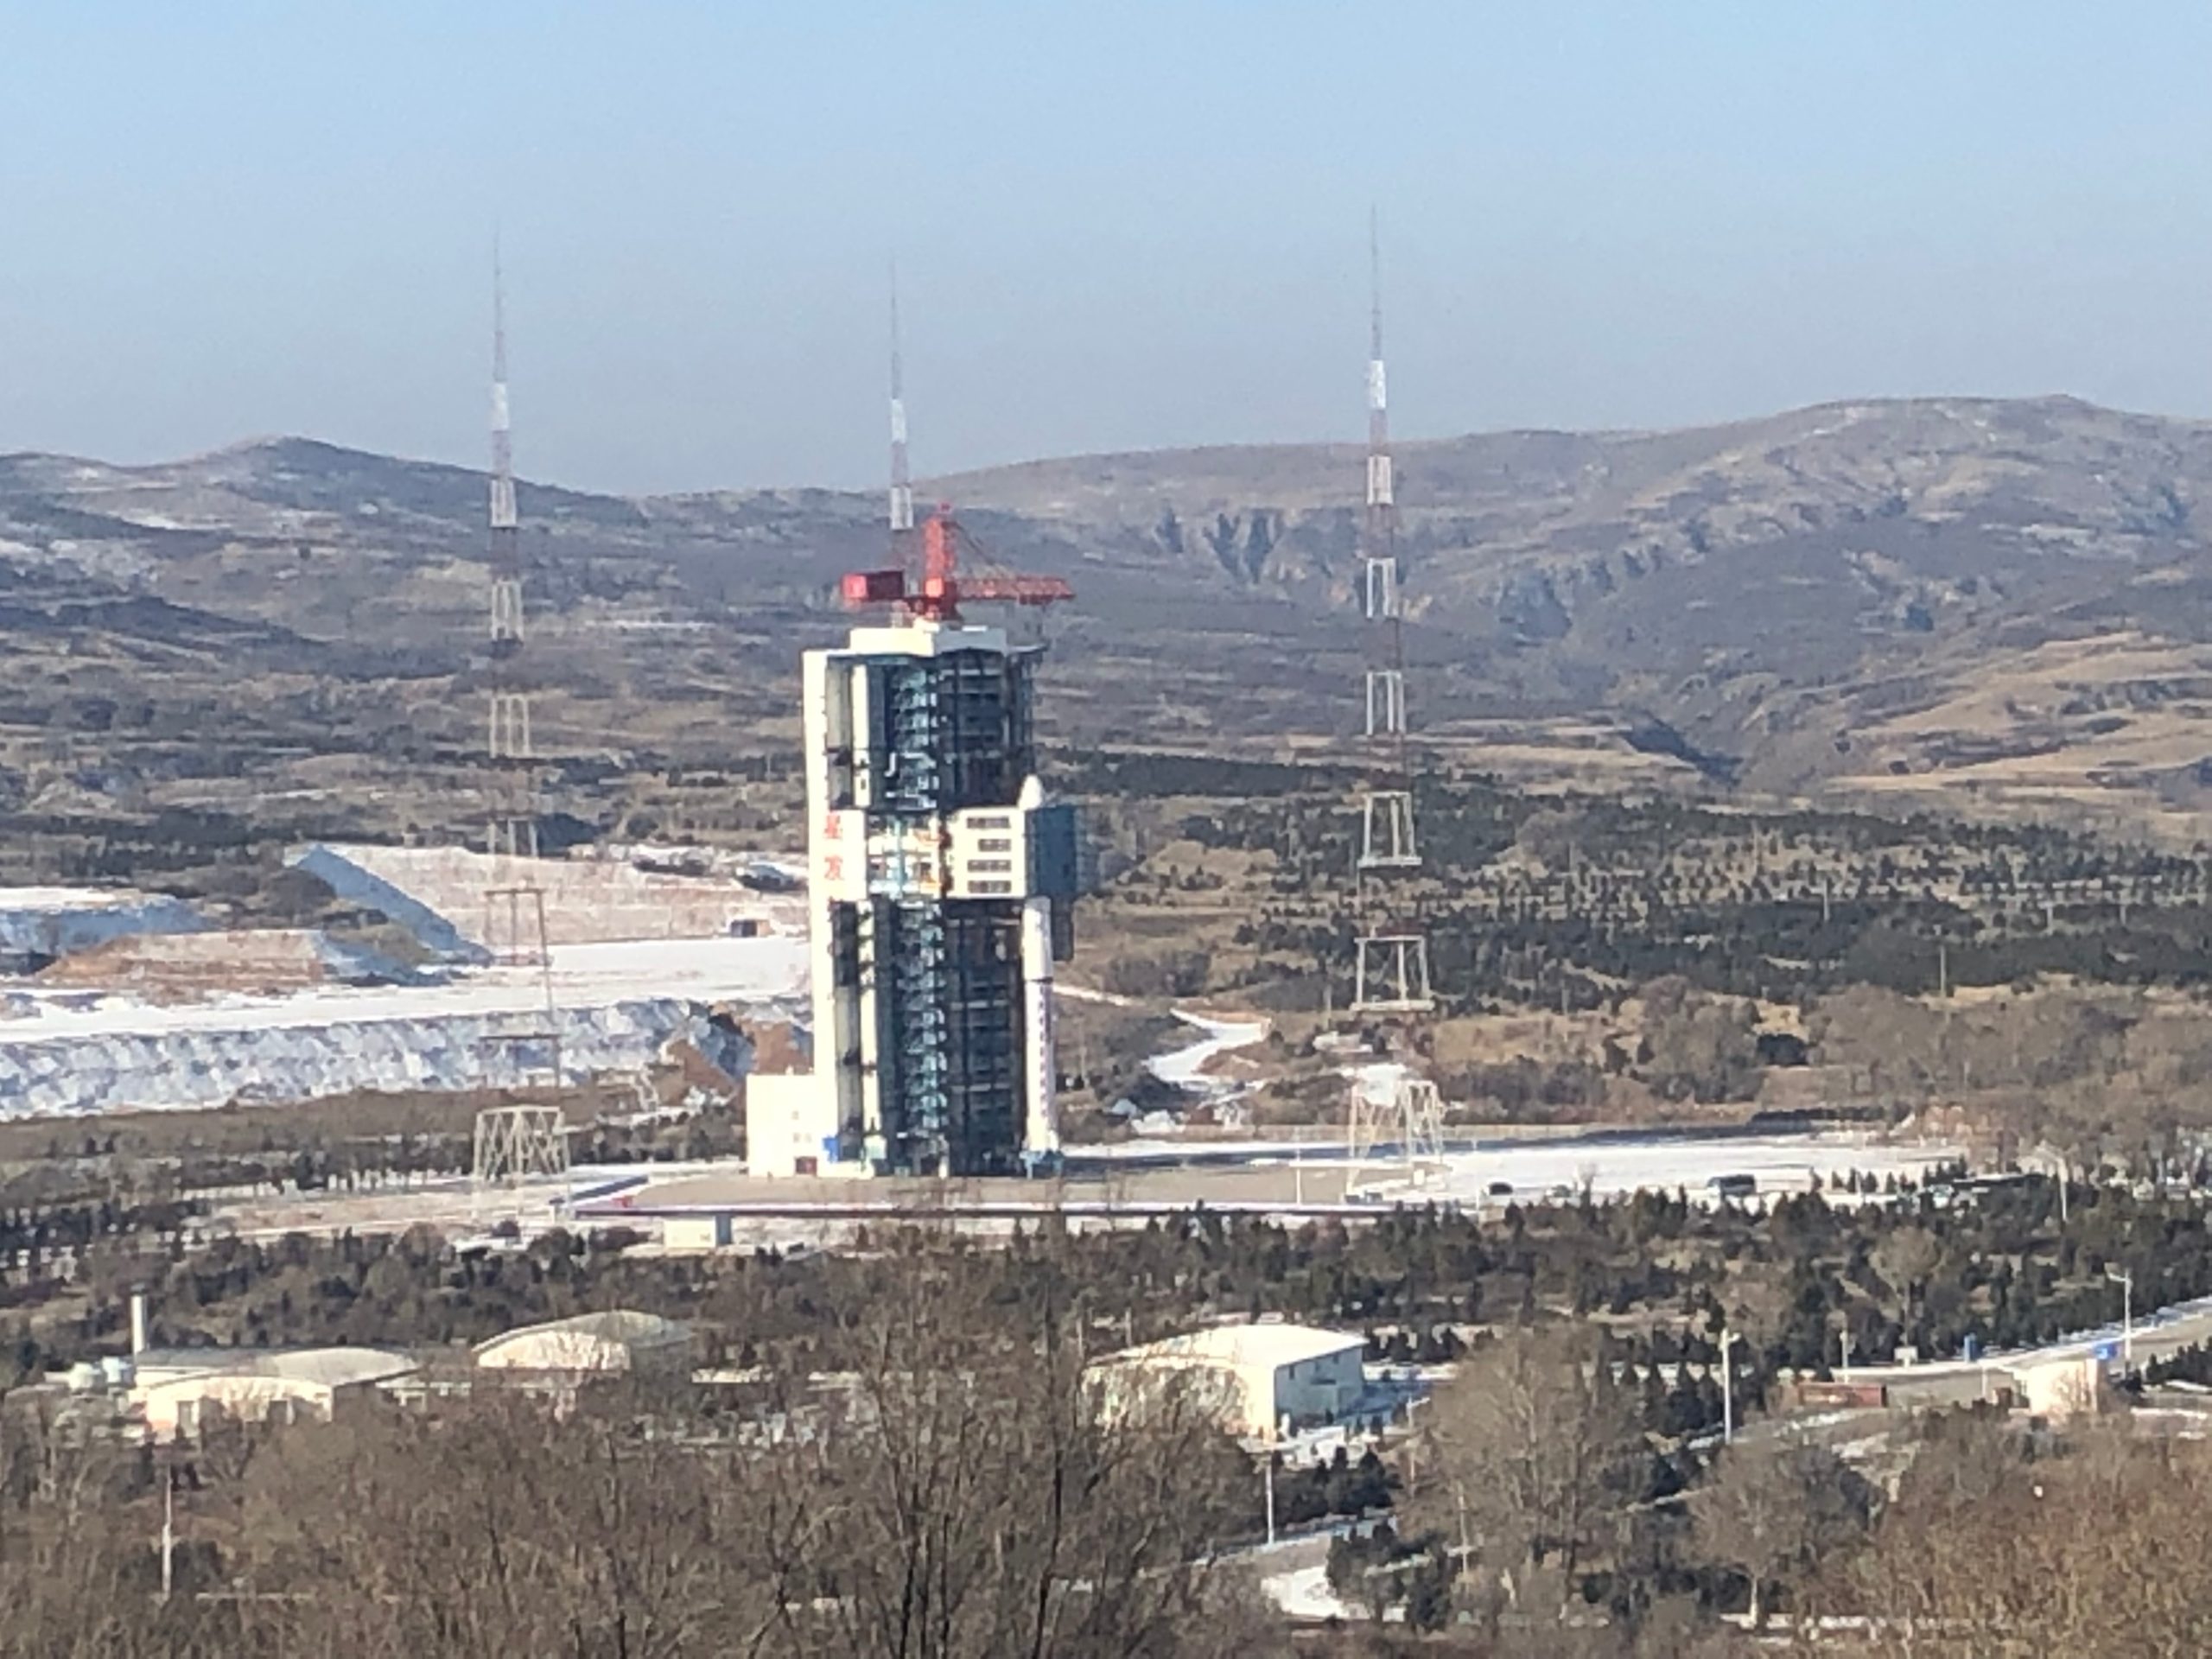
(615, 1008)
(52, 921)
(640, 963)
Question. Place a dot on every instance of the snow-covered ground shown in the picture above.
(1185, 1067)
(1781, 1164)
(1088, 994)
(1303, 1593)
(614, 1007)
(1378, 1080)
(1615, 1164)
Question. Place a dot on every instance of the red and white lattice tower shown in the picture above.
(1394, 1121)
(514, 904)
(512, 821)
(902, 486)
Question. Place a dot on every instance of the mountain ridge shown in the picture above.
(1822, 599)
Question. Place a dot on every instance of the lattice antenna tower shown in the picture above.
(1390, 970)
(1401, 1132)
(512, 825)
(514, 908)
(902, 486)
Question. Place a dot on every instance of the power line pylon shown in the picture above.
(515, 1144)
(1395, 1139)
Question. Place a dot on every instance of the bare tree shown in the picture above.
(1777, 1509)
(1534, 1450)
(945, 1488)
(1984, 1551)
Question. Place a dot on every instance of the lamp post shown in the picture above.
(168, 1529)
(1413, 1442)
(2125, 1281)
(1727, 1388)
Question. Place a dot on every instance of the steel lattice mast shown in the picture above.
(1401, 1129)
(902, 487)
(513, 827)
(514, 906)
(1391, 973)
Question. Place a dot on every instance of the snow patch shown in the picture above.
(1184, 1068)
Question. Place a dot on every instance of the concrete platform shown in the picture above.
(1272, 1189)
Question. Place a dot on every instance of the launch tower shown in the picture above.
(940, 887)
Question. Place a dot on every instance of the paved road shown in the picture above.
(2156, 1336)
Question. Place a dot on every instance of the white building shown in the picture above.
(617, 1342)
(938, 889)
(179, 1391)
(1260, 1380)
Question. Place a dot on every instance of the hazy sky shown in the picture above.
(1121, 225)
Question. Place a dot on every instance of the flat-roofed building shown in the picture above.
(178, 1391)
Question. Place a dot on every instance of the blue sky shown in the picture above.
(1116, 226)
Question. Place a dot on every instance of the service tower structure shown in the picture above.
(940, 888)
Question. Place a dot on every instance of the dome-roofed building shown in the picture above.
(613, 1342)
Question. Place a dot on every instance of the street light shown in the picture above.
(2126, 1282)
(1267, 1464)
(1727, 1388)
(1412, 1441)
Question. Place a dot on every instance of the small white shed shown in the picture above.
(2071, 1386)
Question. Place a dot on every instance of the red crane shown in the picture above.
(936, 597)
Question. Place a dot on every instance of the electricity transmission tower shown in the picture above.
(1396, 1137)
(516, 1145)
